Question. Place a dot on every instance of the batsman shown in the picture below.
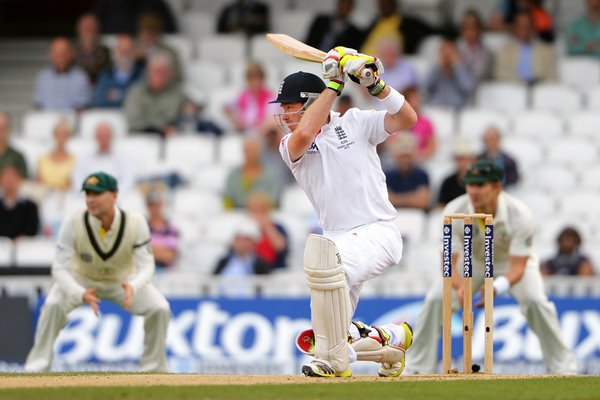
(334, 160)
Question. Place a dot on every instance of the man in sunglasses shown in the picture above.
(516, 267)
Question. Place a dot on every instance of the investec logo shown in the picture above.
(467, 242)
(488, 252)
(447, 251)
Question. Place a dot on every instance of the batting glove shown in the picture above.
(331, 68)
(364, 70)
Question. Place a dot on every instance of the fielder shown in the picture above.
(334, 160)
(103, 253)
(516, 268)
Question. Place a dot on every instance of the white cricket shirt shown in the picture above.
(341, 172)
(513, 231)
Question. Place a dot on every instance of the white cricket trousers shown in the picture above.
(147, 301)
(367, 252)
(535, 306)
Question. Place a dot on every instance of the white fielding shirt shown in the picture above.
(341, 172)
(513, 231)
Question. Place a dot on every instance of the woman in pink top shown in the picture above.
(423, 129)
(252, 106)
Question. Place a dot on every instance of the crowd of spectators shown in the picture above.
(143, 77)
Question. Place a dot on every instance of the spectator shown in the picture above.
(251, 108)
(63, 85)
(344, 103)
(404, 28)
(56, 168)
(164, 236)
(568, 260)
(105, 158)
(524, 58)
(273, 243)
(90, 54)
(193, 120)
(242, 259)
(423, 128)
(18, 215)
(271, 137)
(250, 177)
(244, 16)
(399, 73)
(149, 43)
(8, 154)
(118, 16)
(453, 185)
(114, 81)
(473, 54)
(493, 152)
(583, 34)
(506, 12)
(329, 30)
(449, 83)
(408, 184)
(153, 105)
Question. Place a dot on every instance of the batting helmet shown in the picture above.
(299, 87)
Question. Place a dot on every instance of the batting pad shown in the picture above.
(330, 301)
(370, 349)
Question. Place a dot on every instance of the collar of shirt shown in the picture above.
(96, 225)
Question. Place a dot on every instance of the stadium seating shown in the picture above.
(502, 96)
(89, 120)
(555, 98)
(538, 124)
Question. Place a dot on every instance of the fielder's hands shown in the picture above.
(128, 298)
(89, 297)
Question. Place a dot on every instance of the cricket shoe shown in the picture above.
(320, 369)
(392, 370)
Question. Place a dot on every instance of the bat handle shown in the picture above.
(366, 72)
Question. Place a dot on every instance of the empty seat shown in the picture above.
(132, 200)
(584, 123)
(294, 201)
(32, 150)
(40, 124)
(222, 48)
(573, 151)
(206, 75)
(198, 24)
(144, 150)
(196, 204)
(263, 50)
(231, 150)
(6, 252)
(215, 109)
(473, 122)
(421, 65)
(593, 98)
(443, 120)
(190, 152)
(538, 124)
(548, 230)
(555, 97)
(590, 178)
(411, 223)
(525, 150)
(551, 177)
(90, 119)
(293, 66)
(202, 257)
(211, 178)
(37, 251)
(429, 48)
(220, 227)
(540, 203)
(579, 72)
(182, 46)
(583, 203)
(294, 23)
(502, 96)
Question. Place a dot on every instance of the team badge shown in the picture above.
(85, 257)
(92, 180)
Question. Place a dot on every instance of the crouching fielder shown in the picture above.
(334, 160)
(103, 253)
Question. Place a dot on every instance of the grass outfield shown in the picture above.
(571, 388)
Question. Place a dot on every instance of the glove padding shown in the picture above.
(331, 64)
(362, 68)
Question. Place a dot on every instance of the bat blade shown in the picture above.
(295, 48)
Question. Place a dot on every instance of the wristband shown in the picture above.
(377, 87)
(501, 285)
(392, 102)
(337, 87)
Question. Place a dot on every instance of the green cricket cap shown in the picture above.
(483, 171)
(100, 182)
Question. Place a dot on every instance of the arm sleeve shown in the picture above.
(133, 110)
(64, 257)
(142, 256)
(285, 154)
(465, 81)
(521, 243)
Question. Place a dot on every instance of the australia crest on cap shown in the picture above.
(92, 180)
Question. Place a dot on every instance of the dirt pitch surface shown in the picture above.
(104, 380)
